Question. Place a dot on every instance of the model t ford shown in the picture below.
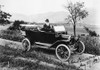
(57, 39)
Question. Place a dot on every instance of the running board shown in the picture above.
(43, 44)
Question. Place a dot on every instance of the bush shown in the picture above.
(14, 35)
(16, 25)
(91, 33)
(92, 45)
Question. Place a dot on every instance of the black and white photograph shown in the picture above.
(49, 35)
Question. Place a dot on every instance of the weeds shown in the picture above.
(6, 52)
(27, 65)
(14, 35)
(92, 45)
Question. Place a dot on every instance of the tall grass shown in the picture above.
(28, 65)
(92, 44)
(14, 35)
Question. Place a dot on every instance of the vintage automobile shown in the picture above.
(57, 39)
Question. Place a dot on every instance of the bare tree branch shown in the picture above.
(76, 13)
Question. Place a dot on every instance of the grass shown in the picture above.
(6, 52)
(92, 44)
(11, 35)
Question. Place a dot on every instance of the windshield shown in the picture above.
(59, 28)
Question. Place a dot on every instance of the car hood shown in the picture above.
(64, 36)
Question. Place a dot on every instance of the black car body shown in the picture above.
(56, 38)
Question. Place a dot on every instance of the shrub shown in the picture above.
(16, 25)
(92, 45)
(91, 33)
(14, 35)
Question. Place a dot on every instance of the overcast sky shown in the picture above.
(29, 7)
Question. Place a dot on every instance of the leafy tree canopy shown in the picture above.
(4, 17)
(77, 12)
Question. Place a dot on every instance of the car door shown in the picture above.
(48, 37)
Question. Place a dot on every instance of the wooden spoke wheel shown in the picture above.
(80, 47)
(26, 44)
(63, 52)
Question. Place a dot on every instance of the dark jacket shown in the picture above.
(47, 27)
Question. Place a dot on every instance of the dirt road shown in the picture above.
(96, 66)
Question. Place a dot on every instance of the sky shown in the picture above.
(30, 7)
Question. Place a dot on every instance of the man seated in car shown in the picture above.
(47, 26)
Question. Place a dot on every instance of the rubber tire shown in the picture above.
(83, 46)
(63, 60)
(29, 47)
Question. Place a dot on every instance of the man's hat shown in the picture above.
(47, 20)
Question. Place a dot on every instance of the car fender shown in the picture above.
(54, 45)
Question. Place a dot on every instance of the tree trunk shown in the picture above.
(74, 28)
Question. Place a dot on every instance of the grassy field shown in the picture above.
(9, 59)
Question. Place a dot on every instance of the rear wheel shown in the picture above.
(80, 47)
(63, 52)
(26, 44)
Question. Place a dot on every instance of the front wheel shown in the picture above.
(80, 47)
(63, 52)
(26, 44)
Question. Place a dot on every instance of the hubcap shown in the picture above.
(25, 45)
(62, 52)
(80, 47)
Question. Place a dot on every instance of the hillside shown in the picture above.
(54, 17)
(59, 17)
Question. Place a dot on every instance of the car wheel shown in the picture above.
(80, 47)
(63, 52)
(26, 44)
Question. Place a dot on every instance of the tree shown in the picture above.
(76, 13)
(4, 17)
